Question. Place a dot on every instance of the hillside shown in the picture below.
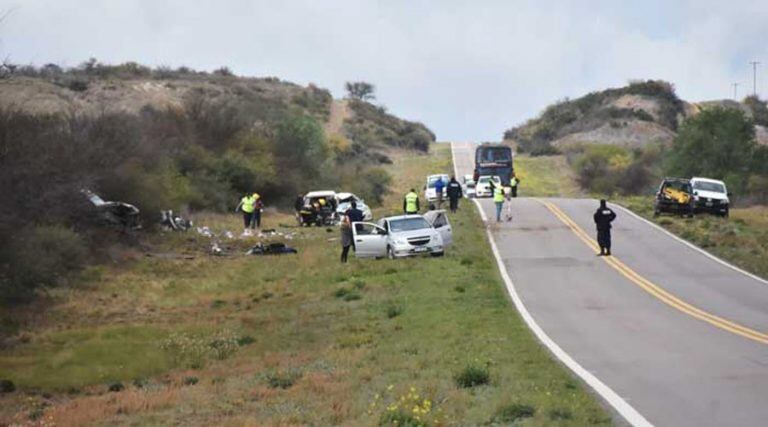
(129, 88)
(631, 116)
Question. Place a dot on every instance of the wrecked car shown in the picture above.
(675, 196)
(319, 209)
(345, 200)
(120, 214)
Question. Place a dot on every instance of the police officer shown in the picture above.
(603, 218)
(454, 194)
(411, 203)
(513, 184)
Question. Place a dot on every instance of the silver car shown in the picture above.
(403, 236)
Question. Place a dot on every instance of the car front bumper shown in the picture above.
(711, 206)
(410, 250)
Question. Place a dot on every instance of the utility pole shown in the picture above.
(735, 91)
(754, 76)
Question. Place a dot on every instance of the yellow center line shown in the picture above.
(656, 290)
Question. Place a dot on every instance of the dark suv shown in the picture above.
(675, 196)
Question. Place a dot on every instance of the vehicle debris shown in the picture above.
(172, 222)
(121, 214)
(271, 249)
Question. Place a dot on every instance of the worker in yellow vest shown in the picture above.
(513, 182)
(247, 206)
(498, 199)
(411, 203)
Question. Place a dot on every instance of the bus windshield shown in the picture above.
(494, 154)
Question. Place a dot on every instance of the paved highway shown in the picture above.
(678, 336)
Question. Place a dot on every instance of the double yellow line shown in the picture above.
(654, 289)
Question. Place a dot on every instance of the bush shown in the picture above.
(115, 386)
(513, 412)
(473, 375)
(7, 386)
(43, 256)
(609, 169)
(283, 379)
(394, 310)
(190, 381)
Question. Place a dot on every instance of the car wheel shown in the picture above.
(437, 254)
(390, 252)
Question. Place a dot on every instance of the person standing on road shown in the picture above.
(351, 216)
(247, 206)
(454, 194)
(411, 203)
(439, 187)
(513, 184)
(603, 218)
(498, 199)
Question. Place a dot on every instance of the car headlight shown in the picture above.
(400, 241)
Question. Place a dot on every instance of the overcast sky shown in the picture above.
(467, 69)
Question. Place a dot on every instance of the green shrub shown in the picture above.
(115, 386)
(283, 379)
(473, 375)
(394, 310)
(513, 412)
(559, 414)
(7, 386)
(352, 296)
(190, 381)
(43, 256)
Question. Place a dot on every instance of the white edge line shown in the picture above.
(620, 405)
(692, 246)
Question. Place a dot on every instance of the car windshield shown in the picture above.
(679, 185)
(408, 224)
(487, 179)
(709, 186)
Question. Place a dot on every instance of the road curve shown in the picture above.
(680, 337)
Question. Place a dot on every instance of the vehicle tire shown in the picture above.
(437, 254)
(656, 212)
(390, 252)
(726, 213)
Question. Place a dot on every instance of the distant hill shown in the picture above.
(634, 115)
(95, 88)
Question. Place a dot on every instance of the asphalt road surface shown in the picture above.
(675, 333)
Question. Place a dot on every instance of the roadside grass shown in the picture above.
(741, 239)
(545, 176)
(306, 355)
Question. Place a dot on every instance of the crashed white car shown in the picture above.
(345, 203)
(469, 186)
(403, 236)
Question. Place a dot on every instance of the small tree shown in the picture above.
(759, 109)
(361, 91)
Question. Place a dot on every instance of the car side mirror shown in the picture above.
(695, 193)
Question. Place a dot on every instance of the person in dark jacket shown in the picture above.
(454, 194)
(351, 216)
(603, 218)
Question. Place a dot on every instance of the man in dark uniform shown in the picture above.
(454, 194)
(603, 218)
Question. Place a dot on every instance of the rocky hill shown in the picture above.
(632, 116)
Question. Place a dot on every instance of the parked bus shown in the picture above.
(494, 160)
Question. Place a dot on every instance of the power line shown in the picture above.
(754, 76)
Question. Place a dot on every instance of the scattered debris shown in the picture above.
(174, 222)
(271, 249)
(115, 213)
(216, 250)
(204, 231)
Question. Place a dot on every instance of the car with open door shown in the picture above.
(401, 236)
(440, 222)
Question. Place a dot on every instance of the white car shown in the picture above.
(429, 189)
(469, 185)
(483, 186)
(403, 236)
(344, 201)
(710, 195)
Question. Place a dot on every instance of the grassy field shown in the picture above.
(742, 239)
(187, 338)
(545, 176)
